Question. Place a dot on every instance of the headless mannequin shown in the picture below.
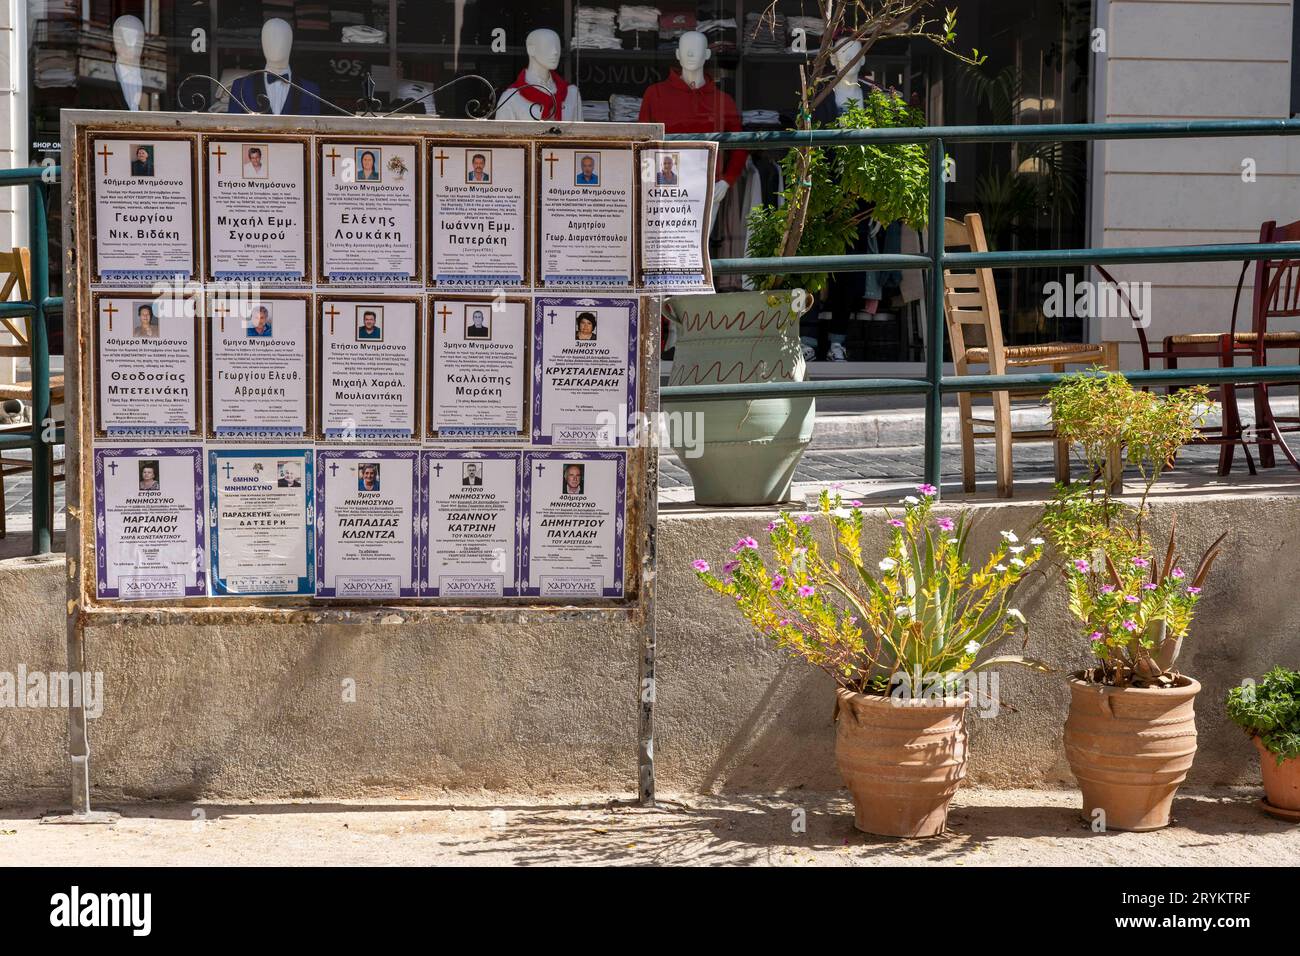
(277, 41)
(128, 44)
(661, 105)
(849, 89)
(555, 99)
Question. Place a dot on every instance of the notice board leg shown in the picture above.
(646, 724)
(78, 740)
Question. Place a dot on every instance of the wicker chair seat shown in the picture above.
(1041, 354)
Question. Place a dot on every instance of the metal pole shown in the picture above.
(42, 450)
(934, 341)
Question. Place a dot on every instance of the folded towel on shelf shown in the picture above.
(673, 25)
(633, 17)
(595, 111)
(624, 108)
(363, 34)
(765, 32)
(760, 118)
(593, 29)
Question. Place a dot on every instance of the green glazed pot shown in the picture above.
(742, 452)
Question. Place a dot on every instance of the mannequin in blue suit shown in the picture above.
(256, 89)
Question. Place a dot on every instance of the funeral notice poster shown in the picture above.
(144, 208)
(471, 524)
(262, 533)
(573, 511)
(370, 369)
(259, 368)
(257, 210)
(478, 367)
(369, 220)
(584, 370)
(367, 521)
(478, 236)
(586, 198)
(149, 541)
(146, 366)
(676, 184)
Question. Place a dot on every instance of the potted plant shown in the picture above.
(1270, 713)
(1131, 732)
(901, 639)
(750, 448)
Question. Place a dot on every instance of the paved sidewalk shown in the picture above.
(986, 828)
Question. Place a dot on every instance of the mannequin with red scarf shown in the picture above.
(540, 93)
(690, 102)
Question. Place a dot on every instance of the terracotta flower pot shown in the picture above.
(902, 760)
(1281, 783)
(1130, 748)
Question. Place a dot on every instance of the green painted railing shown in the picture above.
(43, 435)
(935, 384)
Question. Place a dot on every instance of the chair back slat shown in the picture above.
(970, 303)
(1277, 281)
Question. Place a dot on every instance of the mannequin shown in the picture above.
(517, 100)
(853, 88)
(128, 44)
(690, 102)
(281, 99)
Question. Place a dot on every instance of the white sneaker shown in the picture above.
(838, 353)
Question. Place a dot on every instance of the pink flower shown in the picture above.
(1096, 636)
(699, 564)
(927, 490)
(1107, 588)
(730, 566)
(744, 543)
(1141, 563)
(895, 522)
(855, 504)
(784, 622)
(1132, 599)
(1193, 590)
(778, 582)
(806, 519)
(1177, 574)
(1082, 566)
(807, 590)
(1149, 586)
(945, 524)
(1130, 625)
(772, 525)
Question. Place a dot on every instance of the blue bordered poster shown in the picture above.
(261, 521)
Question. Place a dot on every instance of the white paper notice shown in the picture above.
(147, 367)
(369, 228)
(573, 524)
(257, 210)
(263, 532)
(149, 523)
(367, 524)
(144, 209)
(584, 371)
(369, 381)
(471, 523)
(258, 366)
(479, 229)
(585, 233)
(675, 210)
(479, 368)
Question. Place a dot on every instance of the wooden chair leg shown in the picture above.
(3, 530)
(964, 411)
(1002, 442)
(1061, 450)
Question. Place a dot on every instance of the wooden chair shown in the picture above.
(970, 306)
(15, 276)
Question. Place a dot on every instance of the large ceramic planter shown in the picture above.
(745, 452)
(1281, 782)
(1130, 748)
(902, 760)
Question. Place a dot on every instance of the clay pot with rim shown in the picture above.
(902, 759)
(1130, 748)
(1281, 782)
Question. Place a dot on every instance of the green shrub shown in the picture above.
(1270, 710)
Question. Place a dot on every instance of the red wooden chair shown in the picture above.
(1276, 294)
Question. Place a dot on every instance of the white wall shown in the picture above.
(1192, 60)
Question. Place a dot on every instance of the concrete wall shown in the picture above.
(1193, 60)
(226, 712)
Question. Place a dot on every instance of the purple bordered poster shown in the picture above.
(584, 370)
(470, 524)
(573, 524)
(149, 523)
(367, 523)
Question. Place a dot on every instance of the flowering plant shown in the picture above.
(924, 613)
(1134, 604)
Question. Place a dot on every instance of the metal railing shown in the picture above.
(43, 436)
(934, 385)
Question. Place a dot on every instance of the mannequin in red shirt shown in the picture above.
(690, 102)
